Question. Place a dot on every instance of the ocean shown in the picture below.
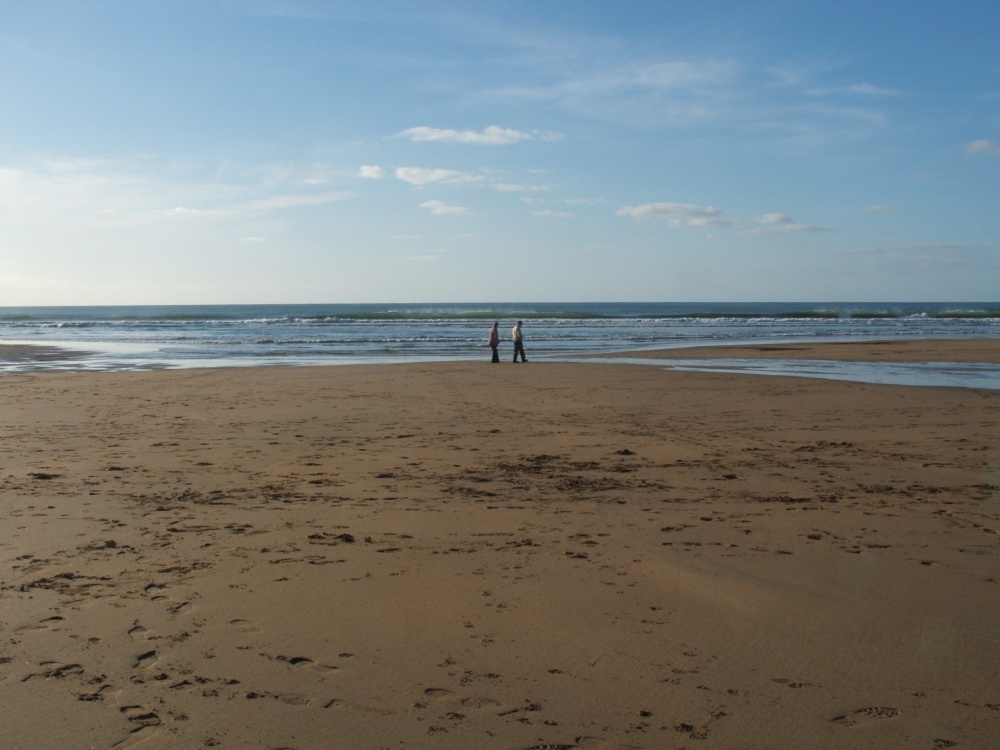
(159, 337)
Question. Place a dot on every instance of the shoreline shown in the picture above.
(963, 363)
(456, 555)
(985, 350)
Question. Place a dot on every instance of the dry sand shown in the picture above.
(512, 557)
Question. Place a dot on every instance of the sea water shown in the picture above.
(154, 337)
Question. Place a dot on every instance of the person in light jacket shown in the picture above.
(518, 342)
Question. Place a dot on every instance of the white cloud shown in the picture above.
(676, 214)
(861, 89)
(548, 213)
(440, 209)
(983, 146)
(259, 205)
(776, 218)
(878, 208)
(282, 202)
(69, 196)
(772, 231)
(371, 172)
(674, 92)
(507, 187)
(709, 221)
(933, 257)
(431, 255)
(183, 211)
(777, 224)
(420, 176)
(12, 284)
(679, 74)
(492, 135)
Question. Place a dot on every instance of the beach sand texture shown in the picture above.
(477, 556)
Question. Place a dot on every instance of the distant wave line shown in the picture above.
(21, 321)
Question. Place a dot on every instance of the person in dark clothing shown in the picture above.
(495, 341)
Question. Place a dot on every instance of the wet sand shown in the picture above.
(17, 353)
(927, 350)
(467, 555)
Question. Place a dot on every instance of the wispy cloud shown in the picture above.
(371, 172)
(946, 248)
(420, 176)
(431, 255)
(776, 219)
(259, 205)
(77, 194)
(439, 208)
(860, 89)
(878, 208)
(777, 224)
(510, 187)
(806, 108)
(695, 216)
(665, 91)
(675, 214)
(983, 146)
(929, 257)
(548, 213)
(493, 135)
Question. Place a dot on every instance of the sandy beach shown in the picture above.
(549, 555)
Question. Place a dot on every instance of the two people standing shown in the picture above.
(518, 342)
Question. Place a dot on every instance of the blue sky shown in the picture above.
(227, 151)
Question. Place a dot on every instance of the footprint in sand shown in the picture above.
(291, 699)
(178, 608)
(442, 695)
(865, 715)
(96, 695)
(138, 633)
(54, 670)
(303, 662)
(173, 607)
(142, 722)
(584, 743)
(47, 624)
(146, 659)
(246, 626)
(141, 717)
(361, 708)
